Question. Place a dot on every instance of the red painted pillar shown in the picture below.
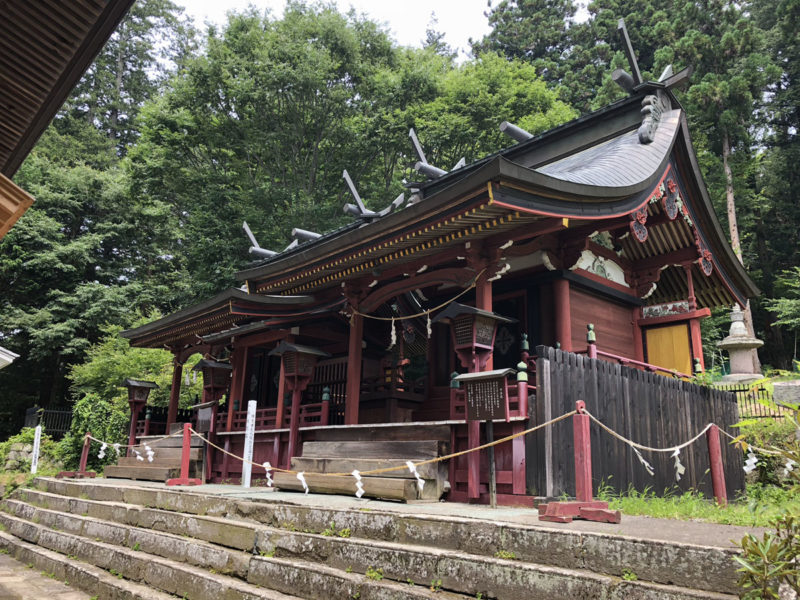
(294, 423)
(583, 454)
(353, 388)
(697, 341)
(134, 421)
(483, 301)
(563, 317)
(239, 362)
(281, 408)
(174, 392)
(717, 468)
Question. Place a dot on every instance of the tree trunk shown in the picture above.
(733, 226)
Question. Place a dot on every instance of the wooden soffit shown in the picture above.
(45, 48)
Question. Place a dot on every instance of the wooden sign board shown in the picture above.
(486, 394)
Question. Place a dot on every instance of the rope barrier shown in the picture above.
(750, 463)
(647, 448)
(400, 467)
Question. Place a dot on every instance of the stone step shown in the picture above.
(460, 572)
(194, 551)
(62, 531)
(80, 575)
(675, 563)
(374, 487)
(170, 576)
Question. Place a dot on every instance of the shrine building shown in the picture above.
(344, 340)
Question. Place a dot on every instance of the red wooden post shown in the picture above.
(563, 314)
(717, 468)
(473, 459)
(294, 423)
(353, 393)
(81, 472)
(132, 432)
(184, 479)
(85, 453)
(174, 393)
(583, 454)
(584, 507)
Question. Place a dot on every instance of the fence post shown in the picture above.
(81, 472)
(584, 507)
(583, 453)
(717, 468)
(186, 457)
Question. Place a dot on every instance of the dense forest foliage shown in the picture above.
(174, 137)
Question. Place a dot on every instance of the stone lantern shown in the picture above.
(298, 370)
(138, 392)
(740, 346)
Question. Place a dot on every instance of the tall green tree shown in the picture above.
(87, 252)
(149, 43)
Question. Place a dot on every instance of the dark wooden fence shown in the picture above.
(647, 408)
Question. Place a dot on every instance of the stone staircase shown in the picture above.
(166, 462)
(142, 541)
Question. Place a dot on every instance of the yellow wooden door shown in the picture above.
(669, 347)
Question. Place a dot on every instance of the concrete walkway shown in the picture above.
(18, 582)
(644, 528)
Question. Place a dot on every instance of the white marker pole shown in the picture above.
(37, 440)
(249, 436)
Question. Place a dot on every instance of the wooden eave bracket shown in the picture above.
(14, 201)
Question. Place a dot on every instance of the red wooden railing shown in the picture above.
(317, 413)
(630, 362)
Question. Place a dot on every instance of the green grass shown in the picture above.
(755, 509)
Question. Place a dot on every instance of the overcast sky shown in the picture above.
(407, 20)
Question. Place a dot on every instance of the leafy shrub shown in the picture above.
(768, 433)
(773, 562)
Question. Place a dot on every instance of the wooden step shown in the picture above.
(145, 473)
(158, 441)
(347, 465)
(386, 488)
(162, 457)
(397, 450)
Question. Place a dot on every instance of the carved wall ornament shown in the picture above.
(638, 220)
(669, 200)
(662, 310)
(706, 258)
(653, 107)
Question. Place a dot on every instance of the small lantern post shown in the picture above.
(138, 391)
(473, 332)
(298, 370)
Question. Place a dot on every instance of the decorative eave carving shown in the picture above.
(653, 107)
